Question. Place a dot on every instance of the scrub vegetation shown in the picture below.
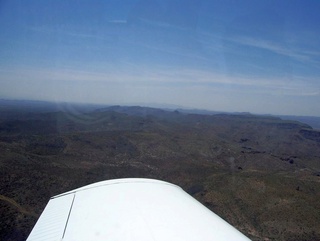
(260, 173)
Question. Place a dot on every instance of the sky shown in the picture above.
(247, 56)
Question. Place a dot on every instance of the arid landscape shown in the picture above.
(260, 173)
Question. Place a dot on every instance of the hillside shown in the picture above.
(261, 174)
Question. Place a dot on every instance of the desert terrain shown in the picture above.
(259, 173)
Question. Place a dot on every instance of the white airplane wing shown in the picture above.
(130, 210)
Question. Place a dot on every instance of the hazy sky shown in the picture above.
(257, 56)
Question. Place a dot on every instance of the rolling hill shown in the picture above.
(260, 173)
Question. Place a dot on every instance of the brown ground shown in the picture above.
(261, 174)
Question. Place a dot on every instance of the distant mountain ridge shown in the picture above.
(313, 121)
(135, 110)
(260, 173)
(26, 106)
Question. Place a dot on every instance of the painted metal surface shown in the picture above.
(131, 209)
(51, 224)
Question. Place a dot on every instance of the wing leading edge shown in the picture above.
(130, 209)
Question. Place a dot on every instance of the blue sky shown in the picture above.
(256, 56)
